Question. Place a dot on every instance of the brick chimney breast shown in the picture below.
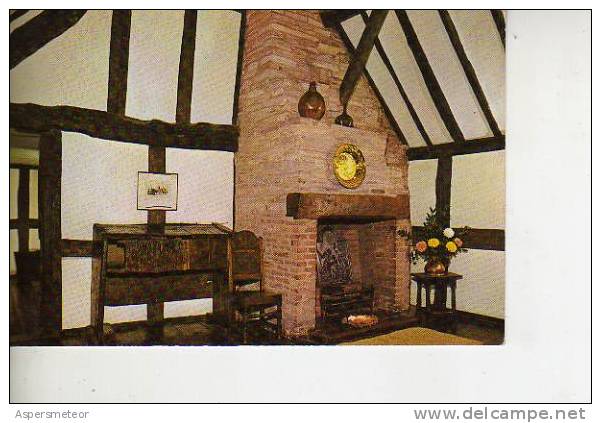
(281, 153)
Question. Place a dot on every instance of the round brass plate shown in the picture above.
(349, 166)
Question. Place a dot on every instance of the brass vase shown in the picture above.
(312, 104)
(435, 267)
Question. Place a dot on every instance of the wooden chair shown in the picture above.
(253, 308)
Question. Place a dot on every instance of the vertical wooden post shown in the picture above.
(23, 209)
(118, 61)
(157, 155)
(49, 200)
(443, 189)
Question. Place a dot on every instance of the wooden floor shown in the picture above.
(200, 330)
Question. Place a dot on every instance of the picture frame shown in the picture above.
(157, 191)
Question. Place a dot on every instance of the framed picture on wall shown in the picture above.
(157, 191)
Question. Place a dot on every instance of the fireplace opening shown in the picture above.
(356, 267)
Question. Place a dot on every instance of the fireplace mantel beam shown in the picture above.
(345, 206)
(364, 48)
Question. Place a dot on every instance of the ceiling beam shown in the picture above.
(17, 14)
(39, 31)
(456, 149)
(111, 126)
(373, 86)
(330, 18)
(412, 112)
(361, 54)
(499, 19)
(470, 73)
(432, 84)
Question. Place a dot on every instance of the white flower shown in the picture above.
(449, 232)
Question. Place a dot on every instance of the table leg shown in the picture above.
(453, 296)
(428, 303)
(419, 295)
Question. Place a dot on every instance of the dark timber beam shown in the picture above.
(17, 14)
(432, 84)
(186, 68)
(373, 86)
(110, 126)
(330, 18)
(49, 201)
(499, 19)
(469, 71)
(444, 174)
(39, 31)
(397, 82)
(476, 239)
(456, 149)
(23, 209)
(361, 54)
(118, 61)
(241, 37)
(30, 223)
(77, 248)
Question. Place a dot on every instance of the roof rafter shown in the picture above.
(499, 19)
(432, 84)
(372, 84)
(361, 54)
(17, 14)
(470, 73)
(39, 31)
(412, 112)
(330, 18)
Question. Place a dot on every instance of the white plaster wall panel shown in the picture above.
(205, 181)
(154, 50)
(215, 65)
(33, 194)
(483, 46)
(26, 156)
(478, 190)
(72, 69)
(375, 66)
(482, 289)
(99, 183)
(422, 182)
(34, 239)
(188, 308)
(449, 73)
(13, 193)
(403, 62)
(13, 245)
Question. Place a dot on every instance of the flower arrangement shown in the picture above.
(436, 244)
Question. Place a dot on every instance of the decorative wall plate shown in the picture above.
(349, 166)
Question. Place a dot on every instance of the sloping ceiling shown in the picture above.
(480, 39)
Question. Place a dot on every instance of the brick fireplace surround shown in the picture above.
(285, 186)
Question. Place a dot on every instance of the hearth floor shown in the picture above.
(333, 331)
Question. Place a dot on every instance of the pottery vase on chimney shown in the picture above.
(312, 104)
